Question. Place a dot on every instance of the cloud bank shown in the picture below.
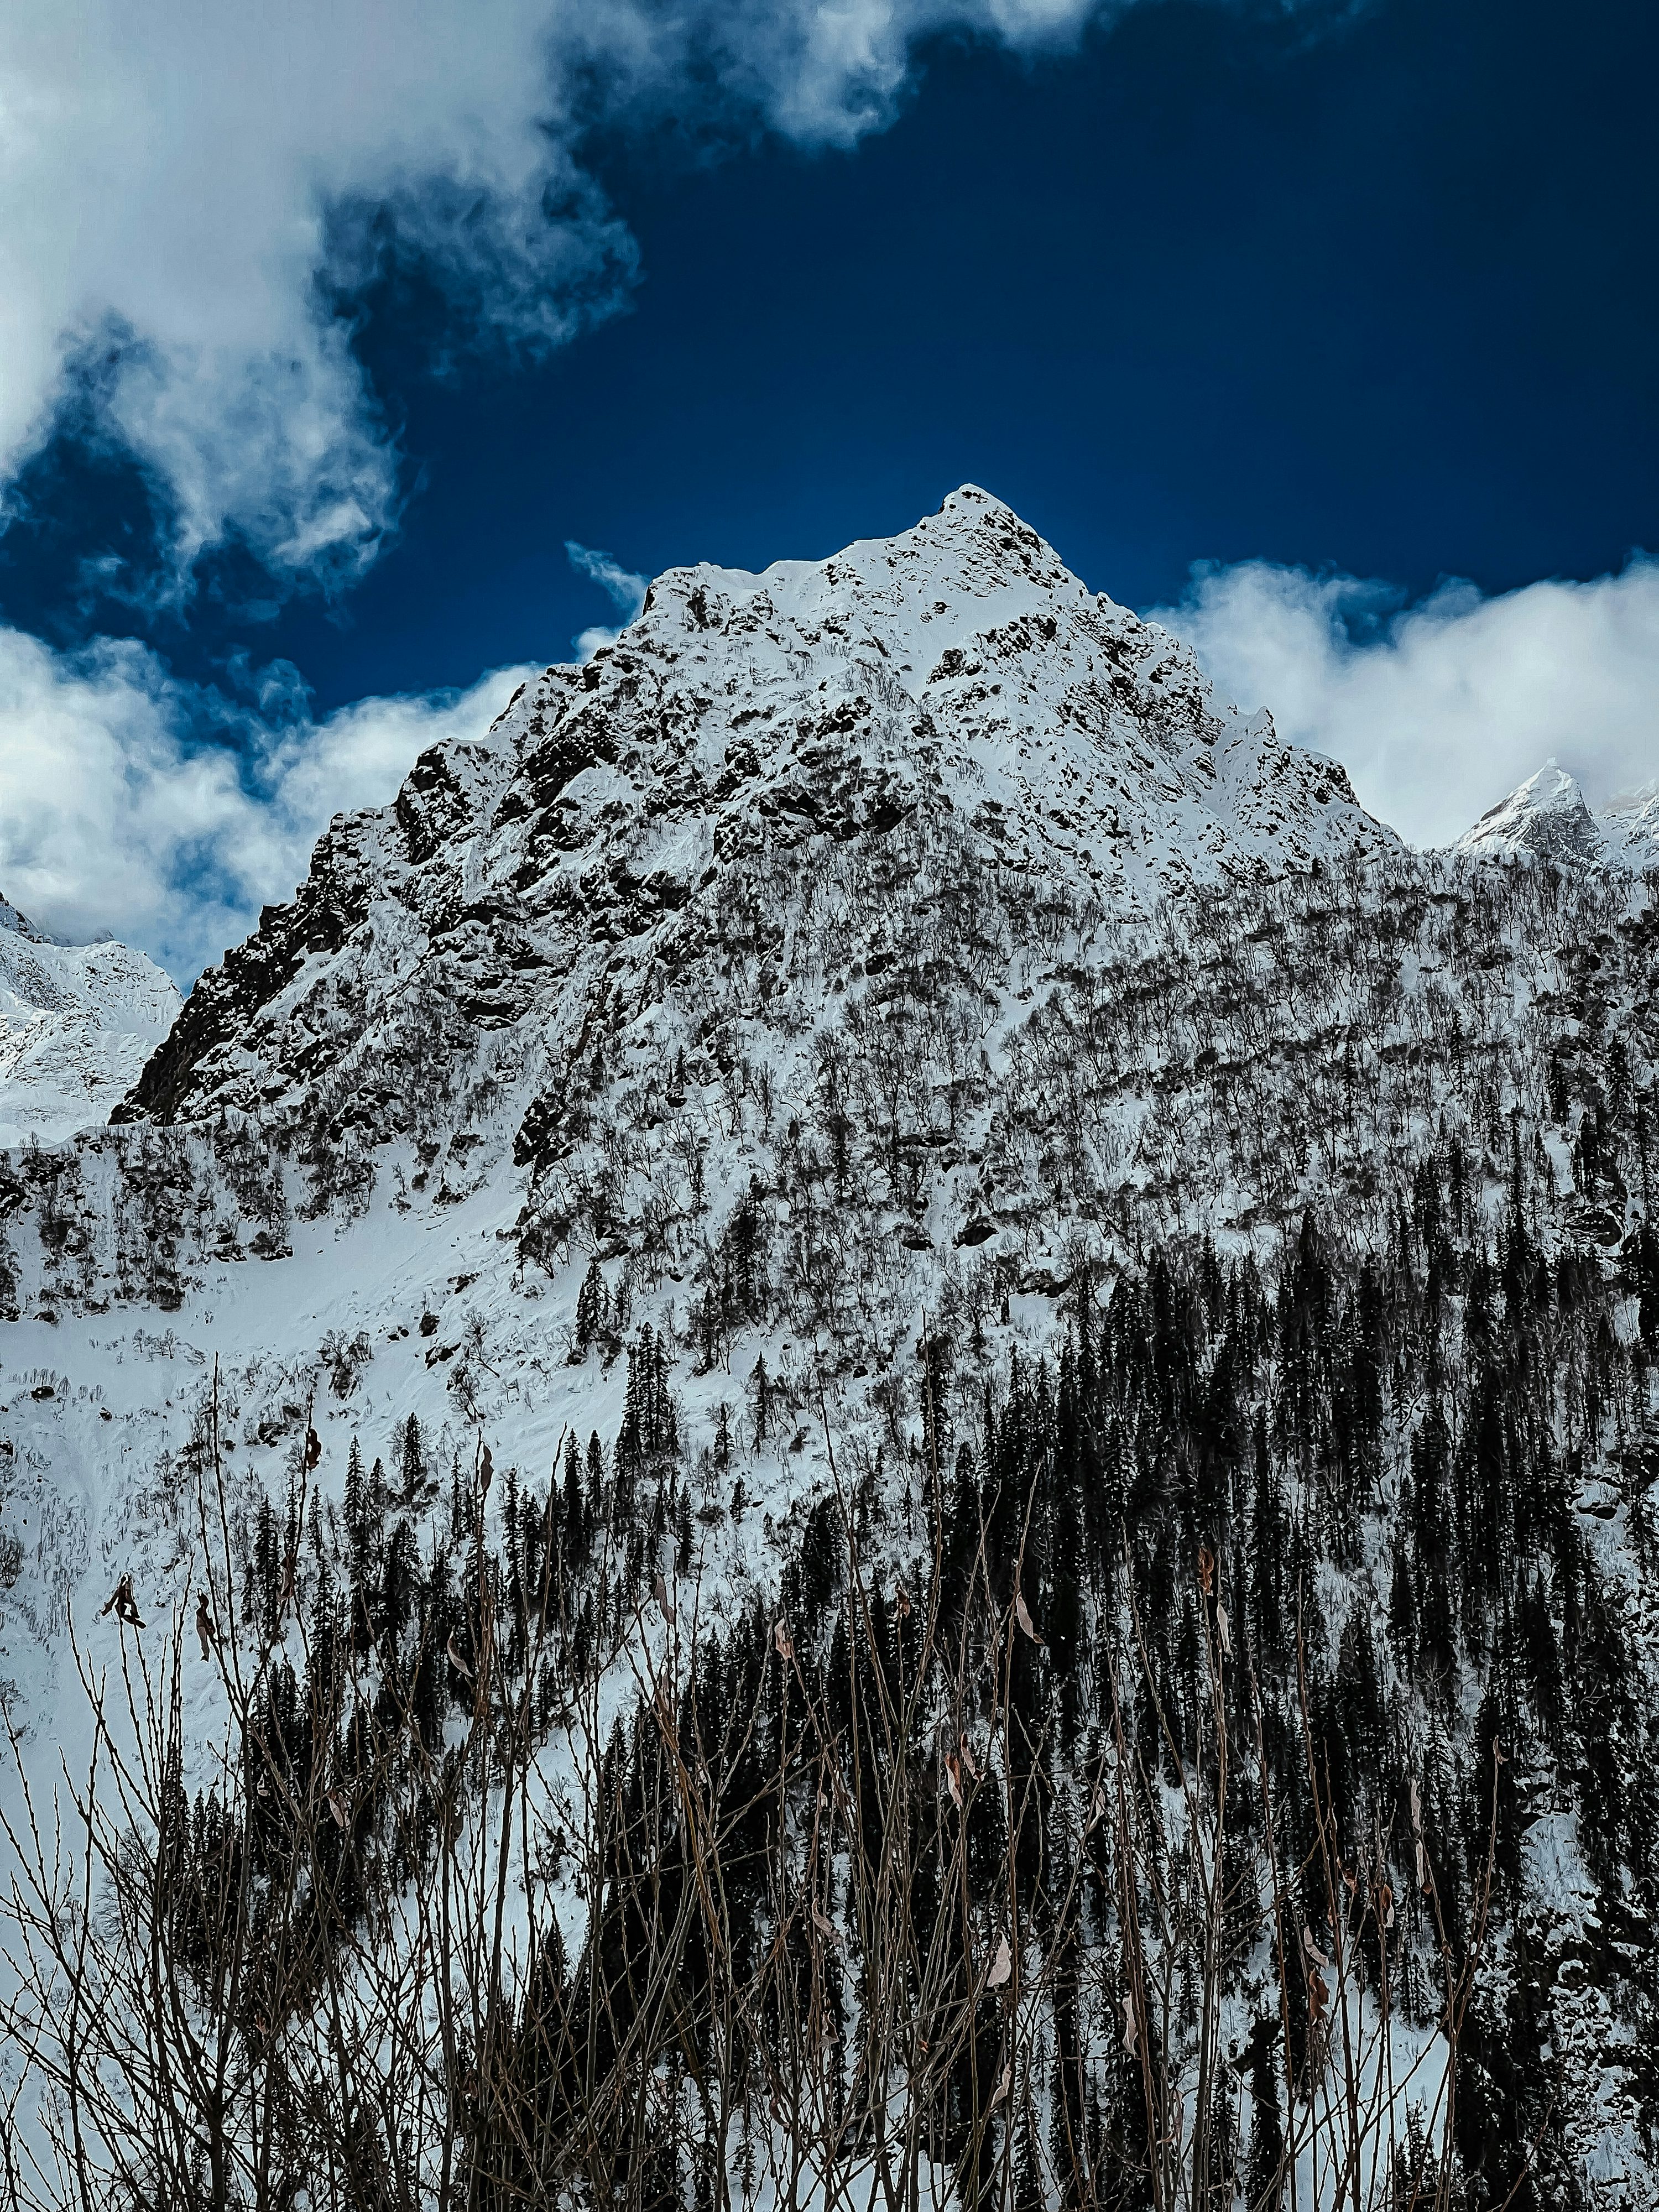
(192, 199)
(117, 814)
(1438, 710)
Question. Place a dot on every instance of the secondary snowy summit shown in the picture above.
(78, 1022)
(1549, 817)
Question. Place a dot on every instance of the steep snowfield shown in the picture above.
(843, 889)
(1630, 827)
(77, 1023)
(1549, 817)
(819, 749)
(582, 988)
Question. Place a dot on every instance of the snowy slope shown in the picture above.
(577, 990)
(1549, 817)
(771, 895)
(1630, 827)
(843, 892)
(77, 1023)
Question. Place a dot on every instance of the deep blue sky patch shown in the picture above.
(1379, 295)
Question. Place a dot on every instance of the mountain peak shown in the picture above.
(749, 727)
(903, 593)
(1549, 817)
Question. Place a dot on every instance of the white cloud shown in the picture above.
(1439, 710)
(164, 184)
(184, 189)
(117, 812)
(826, 71)
(625, 590)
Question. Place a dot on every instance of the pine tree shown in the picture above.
(355, 1501)
(592, 1306)
(573, 1514)
(760, 1399)
(411, 1461)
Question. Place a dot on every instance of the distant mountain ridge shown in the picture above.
(77, 1024)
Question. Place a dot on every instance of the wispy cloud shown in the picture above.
(1438, 709)
(625, 590)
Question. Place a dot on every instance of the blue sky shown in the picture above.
(1310, 294)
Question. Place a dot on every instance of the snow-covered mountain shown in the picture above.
(1549, 817)
(957, 674)
(77, 1024)
(1630, 827)
(885, 1020)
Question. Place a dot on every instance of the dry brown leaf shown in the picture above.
(1024, 1618)
(1001, 1966)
